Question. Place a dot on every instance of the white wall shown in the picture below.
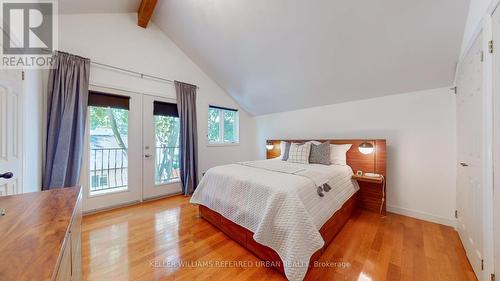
(116, 39)
(420, 132)
(32, 130)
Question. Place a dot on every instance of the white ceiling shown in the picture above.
(98, 6)
(282, 55)
(279, 55)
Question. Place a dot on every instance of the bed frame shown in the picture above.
(375, 162)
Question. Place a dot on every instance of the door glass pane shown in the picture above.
(167, 149)
(108, 149)
(214, 125)
(230, 126)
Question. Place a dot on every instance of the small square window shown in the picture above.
(223, 125)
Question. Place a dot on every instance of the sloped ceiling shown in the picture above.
(280, 55)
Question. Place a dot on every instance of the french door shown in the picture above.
(132, 149)
(112, 162)
(161, 147)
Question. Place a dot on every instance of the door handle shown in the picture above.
(7, 175)
(148, 155)
(463, 164)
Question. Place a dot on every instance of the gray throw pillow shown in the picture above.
(287, 151)
(320, 154)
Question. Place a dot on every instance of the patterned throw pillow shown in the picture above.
(299, 153)
(320, 154)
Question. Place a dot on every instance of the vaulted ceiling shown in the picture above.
(279, 55)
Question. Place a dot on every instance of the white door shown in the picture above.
(10, 132)
(160, 148)
(496, 140)
(470, 154)
(112, 163)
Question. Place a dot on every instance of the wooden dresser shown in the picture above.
(40, 235)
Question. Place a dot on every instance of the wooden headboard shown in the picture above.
(371, 163)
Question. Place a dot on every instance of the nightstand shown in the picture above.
(371, 193)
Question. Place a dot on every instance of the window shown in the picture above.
(108, 116)
(223, 125)
(167, 142)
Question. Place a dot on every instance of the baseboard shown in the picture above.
(110, 208)
(128, 204)
(422, 215)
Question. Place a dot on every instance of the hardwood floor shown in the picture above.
(145, 242)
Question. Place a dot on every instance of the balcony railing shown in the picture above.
(166, 164)
(109, 167)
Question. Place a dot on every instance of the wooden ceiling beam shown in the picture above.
(145, 12)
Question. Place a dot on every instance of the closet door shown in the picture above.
(470, 135)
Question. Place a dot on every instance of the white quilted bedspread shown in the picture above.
(282, 209)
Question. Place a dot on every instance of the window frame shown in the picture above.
(221, 141)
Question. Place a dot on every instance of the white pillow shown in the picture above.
(282, 149)
(299, 153)
(338, 153)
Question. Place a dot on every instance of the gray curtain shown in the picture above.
(186, 105)
(68, 90)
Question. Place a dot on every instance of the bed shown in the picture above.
(272, 207)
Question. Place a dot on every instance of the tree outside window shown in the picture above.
(223, 125)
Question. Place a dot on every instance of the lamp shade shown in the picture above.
(366, 147)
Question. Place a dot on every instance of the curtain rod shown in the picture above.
(129, 91)
(141, 75)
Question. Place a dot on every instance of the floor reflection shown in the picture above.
(108, 249)
(364, 277)
(167, 241)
